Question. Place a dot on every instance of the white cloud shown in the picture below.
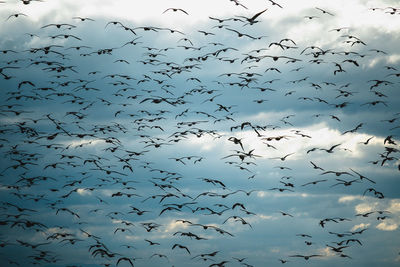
(275, 250)
(393, 59)
(397, 258)
(391, 209)
(205, 143)
(387, 225)
(174, 226)
(263, 194)
(296, 144)
(366, 207)
(83, 192)
(267, 217)
(327, 252)
(394, 206)
(360, 226)
(349, 198)
(82, 142)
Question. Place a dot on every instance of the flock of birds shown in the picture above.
(94, 139)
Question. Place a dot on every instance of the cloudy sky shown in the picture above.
(199, 133)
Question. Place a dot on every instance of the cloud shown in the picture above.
(360, 226)
(393, 59)
(206, 143)
(275, 250)
(83, 192)
(174, 226)
(266, 217)
(327, 252)
(394, 206)
(264, 194)
(366, 207)
(397, 259)
(82, 142)
(387, 225)
(350, 198)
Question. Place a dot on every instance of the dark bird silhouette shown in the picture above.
(129, 260)
(376, 193)
(151, 243)
(324, 11)
(284, 157)
(181, 247)
(252, 19)
(314, 182)
(306, 257)
(345, 183)
(16, 15)
(354, 129)
(362, 176)
(316, 167)
(367, 141)
(337, 173)
(330, 150)
(240, 34)
(175, 10)
(275, 3)
(286, 214)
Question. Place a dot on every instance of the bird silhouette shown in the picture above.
(16, 15)
(175, 10)
(306, 257)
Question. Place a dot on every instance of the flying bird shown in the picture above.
(16, 15)
(175, 10)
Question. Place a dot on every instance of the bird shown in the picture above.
(345, 183)
(275, 3)
(59, 26)
(83, 18)
(376, 193)
(286, 214)
(315, 166)
(314, 182)
(125, 259)
(337, 173)
(361, 177)
(16, 15)
(151, 243)
(330, 150)
(284, 157)
(181, 247)
(220, 264)
(174, 9)
(240, 34)
(354, 129)
(306, 257)
(236, 141)
(252, 19)
(304, 235)
(324, 11)
(367, 141)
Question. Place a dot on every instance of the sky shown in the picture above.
(199, 133)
